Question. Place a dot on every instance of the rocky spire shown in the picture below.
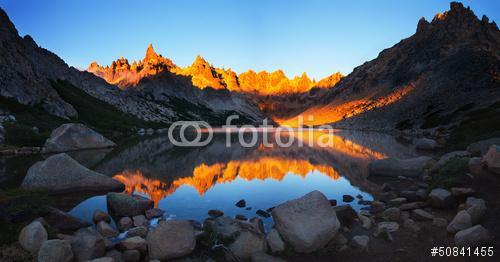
(150, 53)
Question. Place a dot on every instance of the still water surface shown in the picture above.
(187, 182)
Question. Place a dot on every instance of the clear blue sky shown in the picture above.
(318, 37)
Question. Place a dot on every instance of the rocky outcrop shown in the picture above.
(70, 137)
(306, 223)
(60, 173)
(125, 205)
(394, 167)
(171, 239)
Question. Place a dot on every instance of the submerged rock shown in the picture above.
(306, 223)
(122, 204)
(394, 167)
(69, 137)
(60, 173)
(241, 203)
(32, 236)
(171, 239)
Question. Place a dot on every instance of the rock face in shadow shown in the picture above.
(60, 173)
(307, 223)
(70, 137)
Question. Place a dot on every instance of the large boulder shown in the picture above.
(171, 239)
(481, 147)
(275, 241)
(394, 167)
(455, 154)
(426, 144)
(306, 223)
(492, 159)
(125, 205)
(87, 244)
(32, 236)
(60, 174)
(55, 250)
(69, 137)
(473, 237)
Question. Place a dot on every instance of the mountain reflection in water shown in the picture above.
(187, 182)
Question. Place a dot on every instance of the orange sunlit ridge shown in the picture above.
(331, 113)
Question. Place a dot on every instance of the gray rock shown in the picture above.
(125, 205)
(32, 236)
(394, 167)
(226, 227)
(492, 159)
(455, 154)
(460, 222)
(307, 223)
(481, 147)
(248, 243)
(140, 220)
(440, 198)
(106, 230)
(422, 215)
(274, 241)
(134, 243)
(171, 239)
(115, 254)
(377, 207)
(55, 250)
(87, 244)
(476, 207)
(391, 214)
(154, 213)
(360, 241)
(345, 214)
(131, 256)
(63, 221)
(411, 206)
(366, 222)
(69, 137)
(137, 231)
(60, 173)
(397, 201)
(125, 223)
(473, 236)
(388, 226)
(426, 144)
(100, 215)
(462, 191)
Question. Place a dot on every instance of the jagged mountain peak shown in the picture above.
(150, 53)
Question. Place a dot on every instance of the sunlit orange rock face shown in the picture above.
(205, 176)
(203, 75)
